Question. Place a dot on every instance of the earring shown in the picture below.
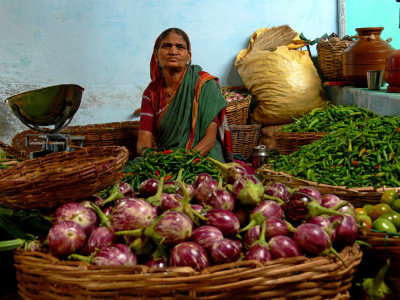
(187, 63)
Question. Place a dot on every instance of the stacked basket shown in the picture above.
(244, 136)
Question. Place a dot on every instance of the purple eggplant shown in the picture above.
(277, 190)
(224, 220)
(248, 189)
(156, 199)
(200, 178)
(282, 246)
(132, 214)
(301, 206)
(331, 200)
(312, 192)
(314, 239)
(158, 263)
(65, 238)
(324, 221)
(206, 236)
(189, 254)
(76, 212)
(170, 228)
(170, 201)
(225, 251)
(190, 190)
(116, 254)
(204, 189)
(277, 226)
(259, 249)
(148, 187)
(264, 210)
(221, 198)
(118, 191)
(233, 171)
(346, 230)
(99, 237)
(251, 235)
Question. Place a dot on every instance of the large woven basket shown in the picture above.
(245, 138)
(96, 135)
(61, 177)
(383, 246)
(237, 111)
(357, 196)
(288, 142)
(42, 276)
(330, 58)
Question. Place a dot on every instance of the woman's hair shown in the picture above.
(177, 31)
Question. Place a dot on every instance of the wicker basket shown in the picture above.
(42, 276)
(245, 138)
(61, 177)
(288, 142)
(357, 196)
(10, 150)
(106, 134)
(330, 58)
(384, 246)
(237, 111)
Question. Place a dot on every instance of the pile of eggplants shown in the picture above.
(167, 223)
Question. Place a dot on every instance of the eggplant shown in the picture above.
(189, 254)
(233, 171)
(76, 212)
(200, 178)
(248, 189)
(119, 190)
(65, 238)
(206, 235)
(132, 213)
(204, 189)
(259, 249)
(170, 228)
(266, 209)
(225, 220)
(346, 230)
(148, 187)
(170, 201)
(221, 198)
(282, 246)
(302, 206)
(225, 251)
(278, 191)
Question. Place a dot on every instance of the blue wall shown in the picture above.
(105, 46)
(374, 13)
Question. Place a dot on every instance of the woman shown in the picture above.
(183, 106)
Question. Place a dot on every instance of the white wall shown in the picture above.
(105, 46)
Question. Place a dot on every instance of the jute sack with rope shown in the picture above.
(282, 78)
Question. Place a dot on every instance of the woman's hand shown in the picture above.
(145, 139)
(208, 141)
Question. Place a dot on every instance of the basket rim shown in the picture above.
(356, 191)
(300, 262)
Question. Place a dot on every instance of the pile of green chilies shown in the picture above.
(359, 155)
(329, 119)
(167, 164)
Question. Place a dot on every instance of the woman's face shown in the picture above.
(173, 54)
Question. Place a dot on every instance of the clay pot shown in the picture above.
(393, 72)
(369, 52)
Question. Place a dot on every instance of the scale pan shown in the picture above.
(54, 105)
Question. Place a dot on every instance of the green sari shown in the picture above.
(175, 128)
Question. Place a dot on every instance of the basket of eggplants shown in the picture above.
(207, 238)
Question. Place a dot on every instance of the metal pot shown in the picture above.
(259, 156)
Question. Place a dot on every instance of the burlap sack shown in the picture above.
(284, 82)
